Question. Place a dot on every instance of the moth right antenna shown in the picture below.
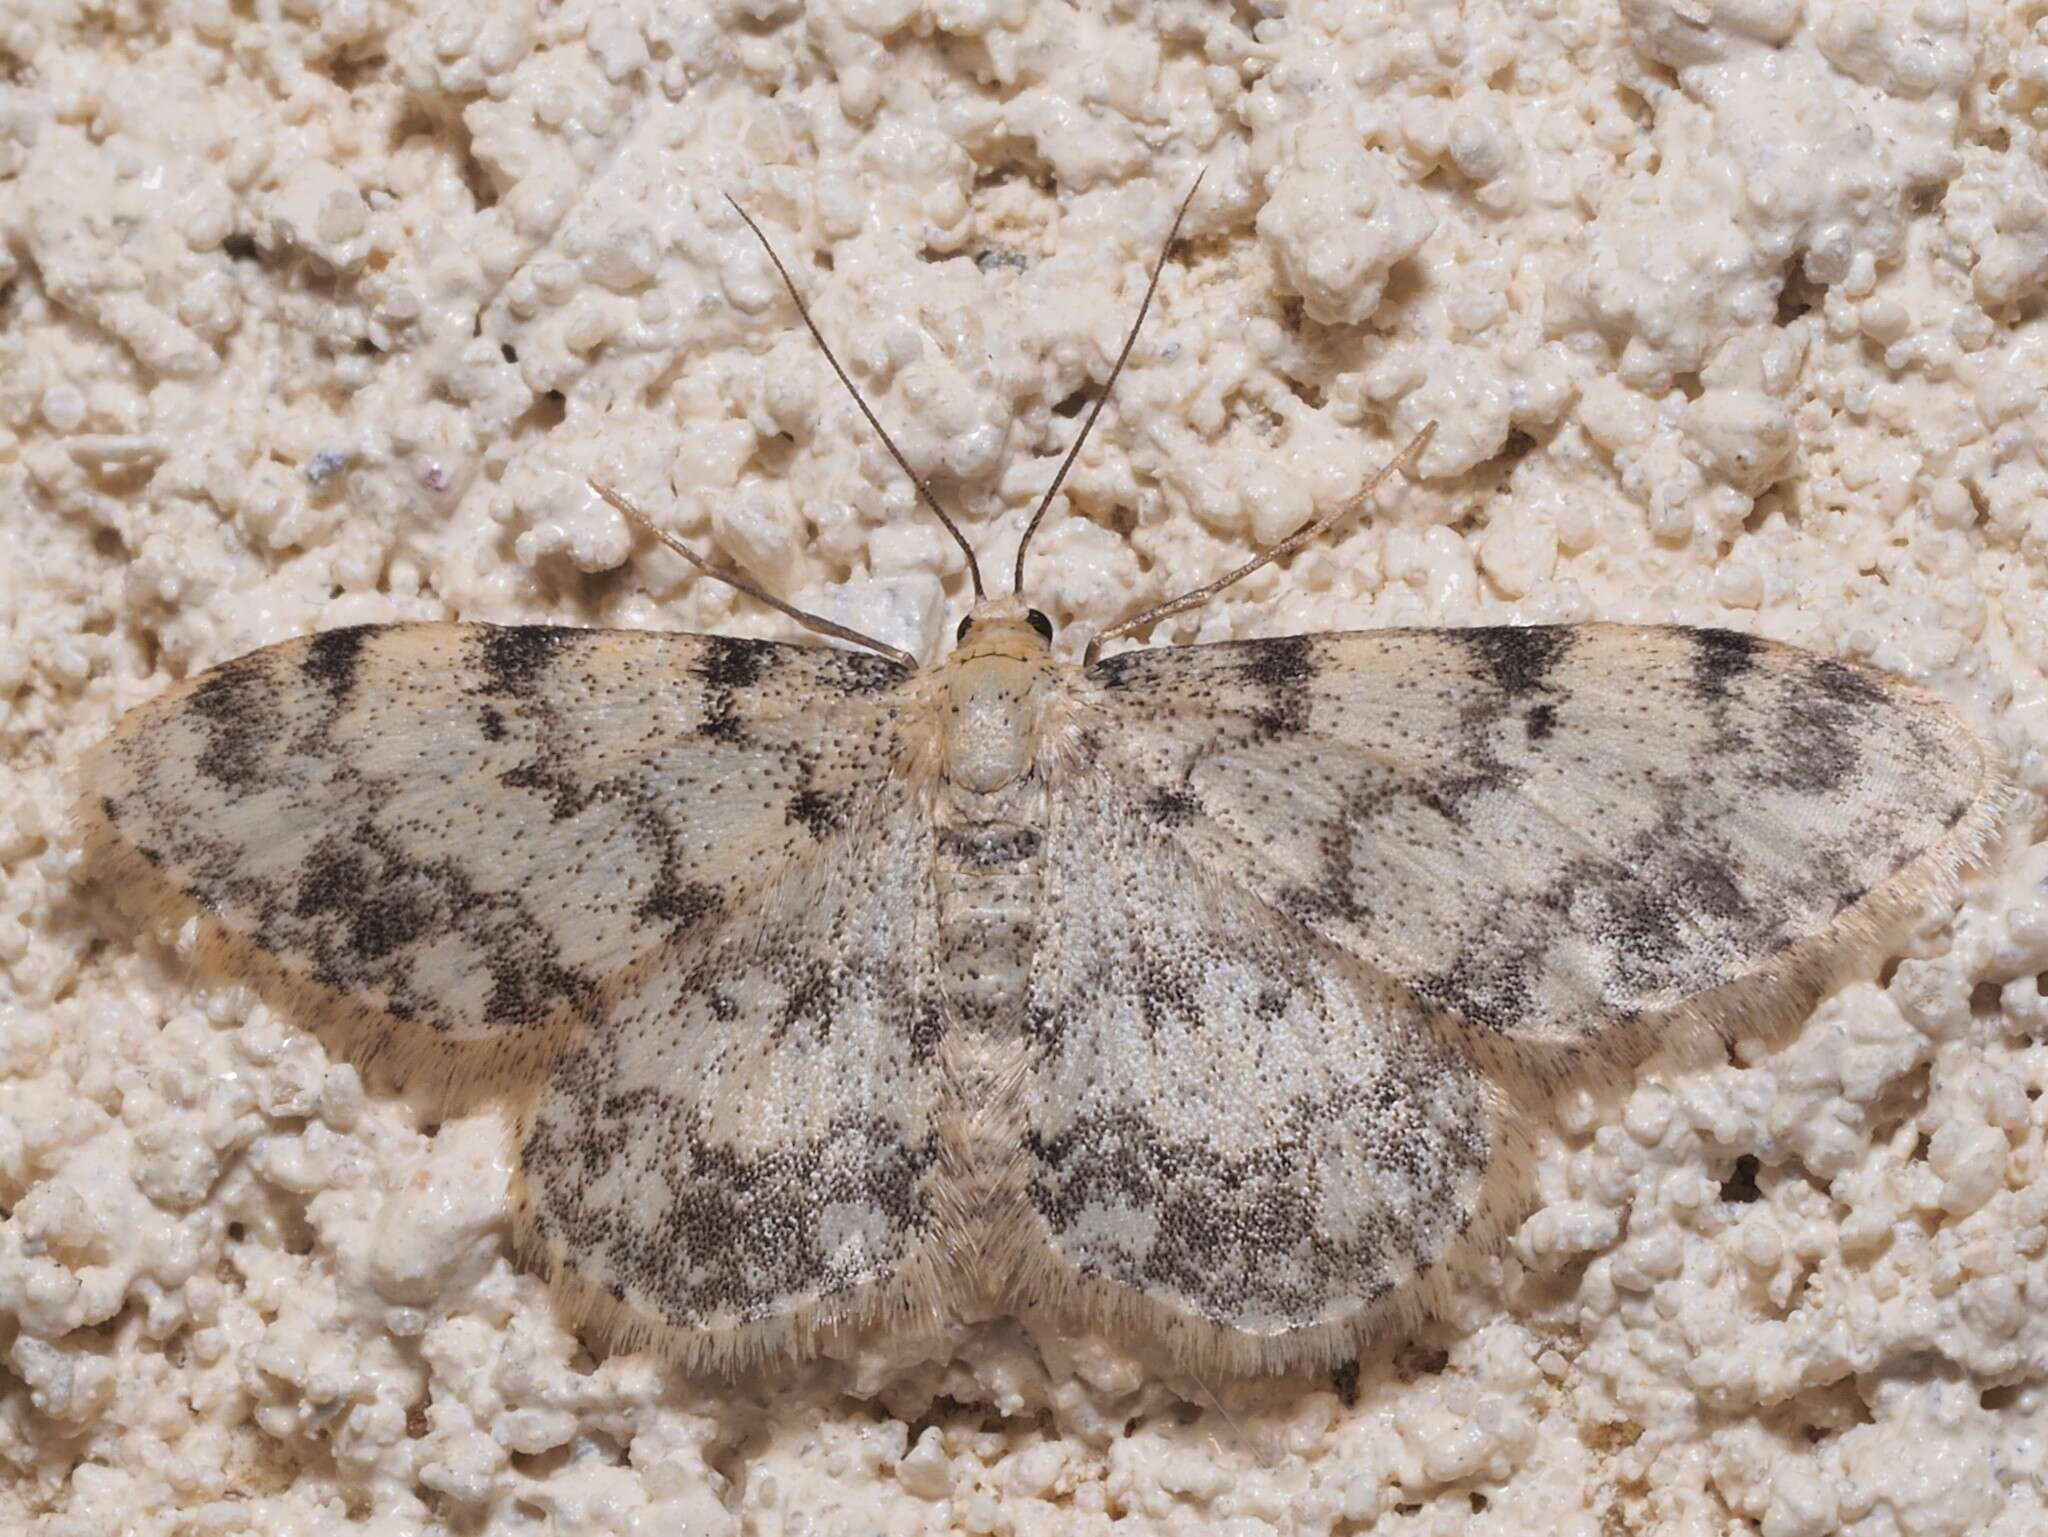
(1074, 452)
(923, 490)
(1287, 546)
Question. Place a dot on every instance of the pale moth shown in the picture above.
(1196, 993)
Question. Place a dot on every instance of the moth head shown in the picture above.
(993, 693)
(1003, 627)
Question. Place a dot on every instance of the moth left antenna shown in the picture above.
(1130, 341)
(923, 490)
(1312, 529)
(816, 623)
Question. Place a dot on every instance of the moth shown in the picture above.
(1199, 992)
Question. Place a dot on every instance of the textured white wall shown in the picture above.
(313, 315)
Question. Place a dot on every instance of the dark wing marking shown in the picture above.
(442, 833)
(1554, 832)
(1235, 1133)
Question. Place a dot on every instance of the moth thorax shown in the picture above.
(993, 705)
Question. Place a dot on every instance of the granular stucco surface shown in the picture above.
(1729, 311)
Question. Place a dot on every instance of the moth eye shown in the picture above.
(1040, 623)
(960, 634)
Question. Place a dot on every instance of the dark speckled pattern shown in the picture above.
(1191, 1013)
(1545, 831)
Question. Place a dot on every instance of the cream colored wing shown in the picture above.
(744, 1149)
(1559, 835)
(671, 878)
(433, 835)
(1238, 1138)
